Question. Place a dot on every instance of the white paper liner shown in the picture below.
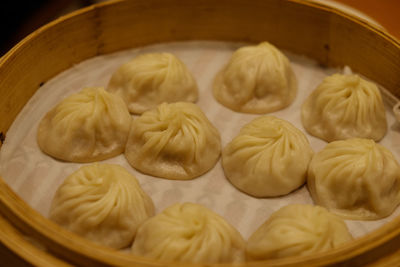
(35, 176)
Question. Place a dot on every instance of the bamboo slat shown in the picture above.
(322, 33)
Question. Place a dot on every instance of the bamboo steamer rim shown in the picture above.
(378, 245)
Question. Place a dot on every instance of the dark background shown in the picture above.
(20, 18)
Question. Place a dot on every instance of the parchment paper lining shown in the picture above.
(35, 176)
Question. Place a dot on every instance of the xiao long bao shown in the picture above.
(174, 141)
(297, 230)
(189, 233)
(103, 203)
(89, 126)
(345, 106)
(257, 79)
(151, 79)
(356, 178)
(268, 158)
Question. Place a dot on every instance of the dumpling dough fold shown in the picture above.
(268, 158)
(89, 126)
(103, 203)
(355, 178)
(345, 106)
(151, 79)
(189, 233)
(297, 230)
(257, 79)
(174, 141)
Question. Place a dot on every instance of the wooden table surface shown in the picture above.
(385, 12)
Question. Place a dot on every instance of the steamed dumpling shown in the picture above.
(103, 203)
(151, 79)
(257, 79)
(345, 106)
(189, 233)
(89, 126)
(356, 179)
(174, 141)
(297, 230)
(268, 158)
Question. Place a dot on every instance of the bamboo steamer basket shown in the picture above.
(323, 33)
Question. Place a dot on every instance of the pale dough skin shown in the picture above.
(103, 203)
(345, 106)
(356, 179)
(88, 126)
(189, 233)
(173, 141)
(151, 79)
(268, 158)
(297, 230)
(257, 79)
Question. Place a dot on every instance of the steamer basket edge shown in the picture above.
(320, 32)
